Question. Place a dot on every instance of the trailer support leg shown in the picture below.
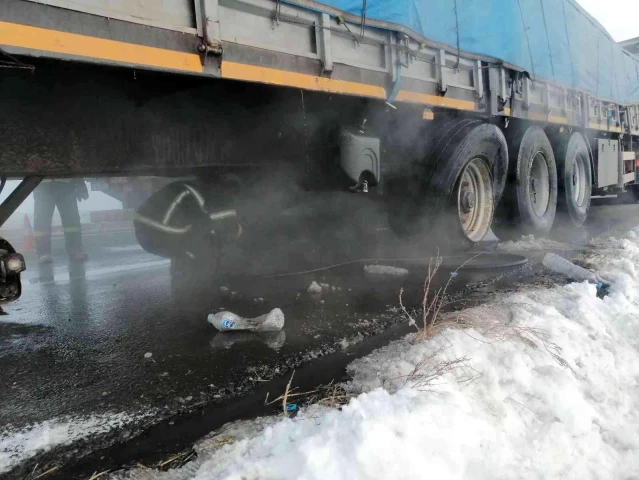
(19, 195)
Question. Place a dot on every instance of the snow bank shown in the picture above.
(18, 445)
(545, 384)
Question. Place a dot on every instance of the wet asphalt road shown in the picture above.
(76, 341)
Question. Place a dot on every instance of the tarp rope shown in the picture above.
(552, 63)
(364, 5)
(278, 10)
(457, 32)
(572, 63)
(523, 21)
(637, 87)
(598, 67)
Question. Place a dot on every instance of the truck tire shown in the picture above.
(530, 199)
(574, 175)
(455, 190)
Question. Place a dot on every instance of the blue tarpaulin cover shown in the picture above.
(555, 40)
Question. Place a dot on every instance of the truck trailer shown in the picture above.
(461, 115)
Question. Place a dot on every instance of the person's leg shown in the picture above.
(44, 205)
(67, 204)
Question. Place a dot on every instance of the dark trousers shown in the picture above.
(47, 197)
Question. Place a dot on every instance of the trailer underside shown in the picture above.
(294, 104)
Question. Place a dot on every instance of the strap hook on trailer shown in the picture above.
(341, 21)
(396, 87)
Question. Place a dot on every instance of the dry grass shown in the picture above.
(289, 393)
(330, 395)
(492, 322)
(34, 476)
(433, 301)
(428, 372)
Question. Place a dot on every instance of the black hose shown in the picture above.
(514, 260)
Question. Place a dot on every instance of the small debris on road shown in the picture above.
(314, 288)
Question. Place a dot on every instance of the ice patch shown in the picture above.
(385, 270)
(125, 248)
(530, 243)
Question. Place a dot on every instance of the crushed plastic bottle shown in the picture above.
(559, 264)
(230, 322)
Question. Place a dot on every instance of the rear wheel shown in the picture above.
(475, 199)
(530, 201)
(575, 179)
(455, 189)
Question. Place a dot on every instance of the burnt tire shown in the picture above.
(530, 198)
(574, 175)
(427, 198)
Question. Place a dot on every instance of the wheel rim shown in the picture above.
(475, 202)
(579, 181)
(539, 184)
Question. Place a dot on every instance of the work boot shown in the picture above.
(78, 257)
(44, 259)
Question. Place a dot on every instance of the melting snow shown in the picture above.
(20, 444)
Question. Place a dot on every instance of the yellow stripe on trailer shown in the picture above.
(274, 76)
(559, 120)
(604, 127)
(542, 117)
(435, 101)
(35, 38)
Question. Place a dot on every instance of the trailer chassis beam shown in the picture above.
(19, 195)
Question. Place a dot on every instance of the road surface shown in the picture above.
(78, 341)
